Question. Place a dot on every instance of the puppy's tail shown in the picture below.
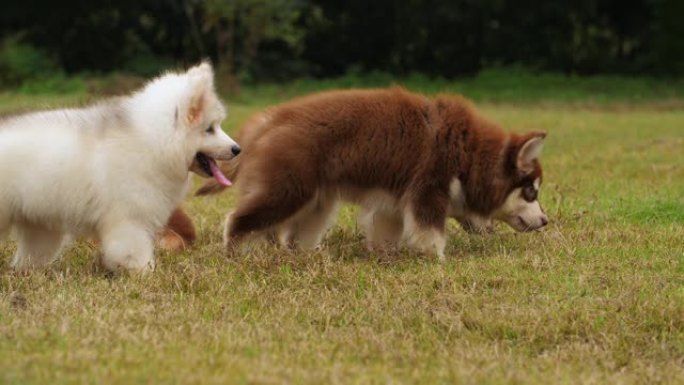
(229, 169)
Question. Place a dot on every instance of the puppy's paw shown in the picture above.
(171, 241)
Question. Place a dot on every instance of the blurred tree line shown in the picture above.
(281, 39)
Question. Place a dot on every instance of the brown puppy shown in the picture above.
(409, 161)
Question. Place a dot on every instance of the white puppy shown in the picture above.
(113, 171)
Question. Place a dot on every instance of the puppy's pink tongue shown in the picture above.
(218, 175)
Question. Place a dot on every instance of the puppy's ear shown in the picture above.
(202, 69)
(530, 151)
(201, 84)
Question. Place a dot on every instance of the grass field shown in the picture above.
(598, 297)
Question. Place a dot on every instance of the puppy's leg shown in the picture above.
(283, 234)
(311, 223)
(424, 223)
(179, 232)
(476, 224)
(127, 246)
(230, 243)
(423, 237)
(381, 228)
(235, 243)
(38, 246)
(258, 212)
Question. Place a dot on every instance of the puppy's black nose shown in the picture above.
(235, 149)
(544, 221)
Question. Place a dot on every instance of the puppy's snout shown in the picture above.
(235, 149)
(544, 221)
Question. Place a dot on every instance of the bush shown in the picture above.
(20, 62)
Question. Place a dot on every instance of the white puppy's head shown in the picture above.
(199, 115)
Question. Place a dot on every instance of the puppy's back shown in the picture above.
(369, 138)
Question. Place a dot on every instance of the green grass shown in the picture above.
(511, 86)
(495, 85)
(598, 297)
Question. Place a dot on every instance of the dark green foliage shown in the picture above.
(281, 39)
(669, 43)
(450, 38)
(20, 62)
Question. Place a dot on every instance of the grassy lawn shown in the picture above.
(598, 297)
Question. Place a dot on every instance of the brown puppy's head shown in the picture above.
(506, 191)
(521, 209)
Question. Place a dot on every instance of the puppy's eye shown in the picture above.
(210, 130)
(530, 193)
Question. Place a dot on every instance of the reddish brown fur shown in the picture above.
(405, 144)
(179, 232)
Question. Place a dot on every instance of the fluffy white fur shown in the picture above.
(113, 171)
